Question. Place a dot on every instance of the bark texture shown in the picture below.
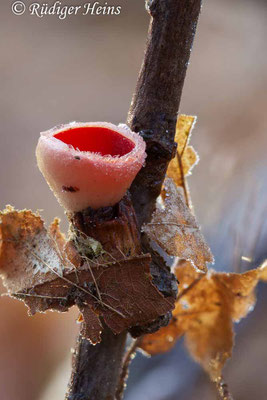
(155, 104)
(95, 375)
(96, 369)
(153, 113)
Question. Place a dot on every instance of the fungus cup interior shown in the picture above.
(97, 140)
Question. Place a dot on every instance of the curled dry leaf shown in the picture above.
(92, 327)
(28, 253)
(127, 295)
(186, 157)
(174, 228)
(206, 308)
(47, 273)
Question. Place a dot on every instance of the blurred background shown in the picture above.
(84, 68)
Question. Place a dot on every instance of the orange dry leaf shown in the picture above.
(206, 308)
(28, 254)
(174, 228)
(186, 157)
(47, 273)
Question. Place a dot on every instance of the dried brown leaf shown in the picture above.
(37, 269)
(128, 297)
(27, 248)
(92, 327)
(206, 308)
(178, 169)
(174, 228)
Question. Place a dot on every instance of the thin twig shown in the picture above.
(94, 279)
(77, 286)
(223, 391)
(190, 287)
(183, 181)
(38, 296)
(128, 357)
(120, 251)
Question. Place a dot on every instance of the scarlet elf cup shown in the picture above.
(90, 164)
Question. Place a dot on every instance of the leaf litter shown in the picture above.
(47, 272)
(209, 302)
(206, 308)
(174, 228)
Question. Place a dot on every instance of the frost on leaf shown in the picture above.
(28, 252)
(206, 308)
(92, 327)
(47, 272)
(121, 292)
(174, 228)
(186, 157)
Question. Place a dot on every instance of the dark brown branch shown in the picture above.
(97, 369)
(153, 113)
(154, 109)
(128, 357)
(156, 101)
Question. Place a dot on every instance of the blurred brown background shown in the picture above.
(84, 68)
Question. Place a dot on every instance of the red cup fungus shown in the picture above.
(89, 164)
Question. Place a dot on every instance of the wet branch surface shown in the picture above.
(153, 112)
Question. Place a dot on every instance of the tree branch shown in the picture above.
(156, 101)
(153, 113)
(97, 369)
